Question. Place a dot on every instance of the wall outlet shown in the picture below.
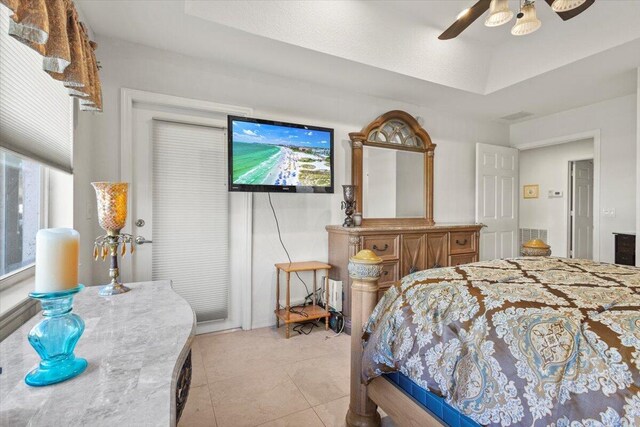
(609, 212)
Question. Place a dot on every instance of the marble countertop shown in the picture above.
(135, 344)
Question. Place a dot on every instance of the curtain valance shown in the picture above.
(52, 28)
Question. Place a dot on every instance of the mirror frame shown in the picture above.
(360, 139)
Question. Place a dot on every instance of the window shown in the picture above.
(36, 135)
(35, 110)
(21, 213)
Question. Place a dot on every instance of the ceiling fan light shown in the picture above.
(566, 5)
(499, 13)
(529, 21)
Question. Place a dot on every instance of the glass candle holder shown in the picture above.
(112, 217)
(55, 337)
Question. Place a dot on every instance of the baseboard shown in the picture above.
(266, 324)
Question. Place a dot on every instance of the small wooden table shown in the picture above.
(309, 312)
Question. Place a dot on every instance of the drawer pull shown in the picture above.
(386, 246)
(464, 242)
(384, 273)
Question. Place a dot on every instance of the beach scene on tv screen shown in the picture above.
(266, 154)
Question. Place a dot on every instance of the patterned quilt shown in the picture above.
(525, 341)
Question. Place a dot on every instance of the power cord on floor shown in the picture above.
(305, 328)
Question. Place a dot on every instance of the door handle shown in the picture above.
(141, 240)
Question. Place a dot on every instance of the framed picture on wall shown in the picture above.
(531, 191)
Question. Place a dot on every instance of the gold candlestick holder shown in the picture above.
(112, 217)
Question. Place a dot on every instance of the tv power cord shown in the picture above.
(275, 217)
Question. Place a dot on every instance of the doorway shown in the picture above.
(191, 230)
(546, 211)
(580, 219)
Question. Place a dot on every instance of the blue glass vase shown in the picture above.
(55, 338)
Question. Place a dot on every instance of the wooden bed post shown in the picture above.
(365, 270)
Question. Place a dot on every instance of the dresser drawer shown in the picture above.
(462, 259)
(390, 273)
(386, 247)
(462, 242)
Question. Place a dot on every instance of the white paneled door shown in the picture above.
(581, 214)
(180, 213)
(497, 200)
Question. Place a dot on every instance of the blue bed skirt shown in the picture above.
(436, 405)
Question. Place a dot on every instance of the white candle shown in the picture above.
(56, 259)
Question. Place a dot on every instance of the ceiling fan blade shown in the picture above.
(573, 12)
(467, 19)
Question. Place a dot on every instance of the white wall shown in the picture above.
(84, 201)
(302, 216)
(548, 167)
(60, 203)
(616, 121)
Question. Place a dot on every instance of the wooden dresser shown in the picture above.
(404, 249)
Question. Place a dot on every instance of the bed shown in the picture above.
(524, 341)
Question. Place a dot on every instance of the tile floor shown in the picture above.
(259, 378)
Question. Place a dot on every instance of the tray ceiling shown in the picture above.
(364, 44)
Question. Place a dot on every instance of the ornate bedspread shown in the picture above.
(526, 341)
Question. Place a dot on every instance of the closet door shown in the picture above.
(497, 200)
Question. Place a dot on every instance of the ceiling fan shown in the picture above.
(499, 14)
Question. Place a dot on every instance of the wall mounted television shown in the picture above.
(270, 156)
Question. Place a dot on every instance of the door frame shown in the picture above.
(127, 99)
(591, 134)
(569, 204)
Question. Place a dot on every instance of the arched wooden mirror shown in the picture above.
(392, 168)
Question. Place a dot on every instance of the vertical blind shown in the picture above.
(190, 215)
(35, 110)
